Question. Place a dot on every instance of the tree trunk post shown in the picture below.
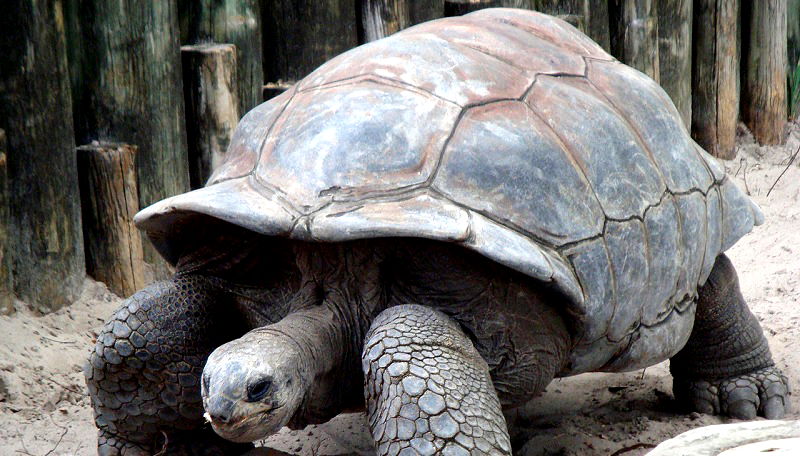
(576, 12)
(6, 281)
(229, 21)
(598, 28)
(425, 10)
(462, 7)
(381, 18)
(634, 36)
(36, 115)
(108, 194)
(209, 87)
(675, 54)
(126, 73)
(715, 78)
(793, 67)
(300, 35)
(764, 105)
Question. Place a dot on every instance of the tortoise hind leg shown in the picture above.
(144, 374)
(726, 366)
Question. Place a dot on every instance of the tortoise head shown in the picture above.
(253, 386)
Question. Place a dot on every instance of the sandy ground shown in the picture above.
(44, 409)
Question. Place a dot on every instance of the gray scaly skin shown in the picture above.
(432, 334)
(726, 366)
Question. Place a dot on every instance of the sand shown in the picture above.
(44, 409)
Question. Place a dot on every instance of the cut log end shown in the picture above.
(113, 245)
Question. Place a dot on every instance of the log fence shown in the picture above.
(111, 72)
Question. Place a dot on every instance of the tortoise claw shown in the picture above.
(764, 392)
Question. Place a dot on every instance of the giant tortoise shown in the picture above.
(432, 227)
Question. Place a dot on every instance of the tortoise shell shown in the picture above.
(508, 132)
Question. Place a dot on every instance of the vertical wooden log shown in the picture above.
(462, 7)
(381, 18)
(634, 35)
(229, 21)
(300, 35)
(576, 12)
(793, 32)
(209, 87)
(127, 88)
(36, 114)
(715, 78)
(6, 281)
(109, 202)
(598, 27)
(764, 57)
(425, 10)
(675, 54)
(793, 67)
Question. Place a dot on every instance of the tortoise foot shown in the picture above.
(192, 443)
(764, 392)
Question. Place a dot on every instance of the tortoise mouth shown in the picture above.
(250, 427)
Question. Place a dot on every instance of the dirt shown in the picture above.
(44, 409)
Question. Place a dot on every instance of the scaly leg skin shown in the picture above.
(144, 374)
(726, 367)
(427, 388)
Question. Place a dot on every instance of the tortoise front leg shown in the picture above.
(427, 388)
(726, 366)
(144, 373)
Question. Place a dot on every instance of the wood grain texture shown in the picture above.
(634, 34)
(212, 106)
(381, 18)
(576, 12)
(109, 202)
(300, 35)
(126, 77)
(425, 10)
(6, 280)
(675, 54)
(44, 230)
(764, 104)
(229, 21)
(715, 78)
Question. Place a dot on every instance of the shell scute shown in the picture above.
(334, 143)
(503, 160)
(249, 137)
(428, 62)
(623, 177)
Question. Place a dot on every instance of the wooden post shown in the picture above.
(715, 78)
(576, 12)
(36, 114)
(634, 35)
(764, 56)
(462, 7)
(300, 35)
(675, 54)
(209, 87)
(229, 21)
(6, 281)
(108, 195)
(381, 18)
(425, 10)
(793, 32)
(126, 72)
(598, 28)
(793, 67)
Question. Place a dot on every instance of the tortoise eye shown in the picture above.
(256, 391)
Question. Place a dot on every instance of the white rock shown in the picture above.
(726, 439)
